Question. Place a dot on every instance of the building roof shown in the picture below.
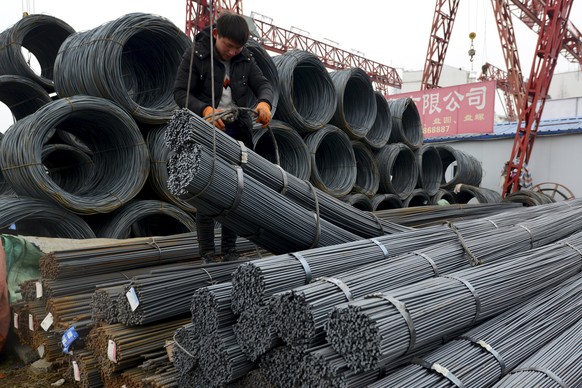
(548, 127)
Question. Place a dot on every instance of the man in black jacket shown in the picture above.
(237, 77)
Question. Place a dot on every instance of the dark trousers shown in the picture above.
(205, 231)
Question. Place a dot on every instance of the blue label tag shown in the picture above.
(68, 338)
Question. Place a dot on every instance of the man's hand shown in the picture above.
(206, 115)
(264, 113)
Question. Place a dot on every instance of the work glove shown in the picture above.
(264, 113)
(206, 114)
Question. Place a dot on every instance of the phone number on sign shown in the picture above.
(436, 129)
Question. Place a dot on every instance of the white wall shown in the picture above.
(566, 85)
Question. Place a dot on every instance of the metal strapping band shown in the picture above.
(489, 348)
(284, 178)
(244, 153)
(401, 307)
(547, 372)
(305, 264)
(494, 224)
(382, 247)
(531, 237)
(378, 222)
(212, 281)
(338, 282)
(430, 261)
(573, 247)
(473, 291)
(438, 368)
(239, 188)
(316, 215)
(472, 259)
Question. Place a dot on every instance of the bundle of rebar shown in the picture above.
(150, 293)
(185, 350)
(384, 326)
(398, 169)
(257, 213)
(281, 365)
(333, 162)
(155, 372)
(187, 129)
(254, 332)
(468, 169)
(21, 95)
(111, 133)
(367, 170)
(42, 36)
(464, 193)
(483, 355)
(559, 363)
(430, 168)
(210, 308)
(379, 134)
(104, 302)
(85, 369)
(406, 124)
(137, 46)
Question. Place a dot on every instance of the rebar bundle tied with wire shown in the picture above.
(281, 365)
(398, 170)
(384, 326)
(42, 36)
(21, 95)
(282, 145)
(307, 99)
(430, 168)
(483, 355)
(211, 308)
(379, 133)
(356, 103)
(333, 161)
(86, 367)
(406, 124)
(367, 170)
(110, 132)
(186, 349)
(254, 332)
(468, 169)
(143, 54)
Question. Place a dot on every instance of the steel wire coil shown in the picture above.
(367, 170)
(442, 194)
(466, 193)
(143, 218)
(187, 129)
(418, 197)
(254, 333)
(269, 69)
(558, 363)
(430, 169)
(5, 188)
(21, 95)
(333, 161)
(299, 315)
(69, 167)
(37, 217)
(356, 103)
(529, 198)
(438, 306)
(132, 60)
(210, 308)
(42, 36)
(257, 213)
(158, 178)
(307, 99)
(467, 169)
(406, 123)
(359, 201)
(386, 201)
(281, 366)
(280, 144)
(378, 135)
(483, 355)
(109, 131)
(398, 170)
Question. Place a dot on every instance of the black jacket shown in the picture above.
(246, 79)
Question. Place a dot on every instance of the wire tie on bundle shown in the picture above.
(244, 153)
(473, 291)
(489, 348)
(494, 224)
(338, 282)
(284, 178)
(531, 237)
(403, 310)
(154, 243)
(430, 261)
(382, 247)
(305, 264)
(473, 260)
(573, 247)
(181, 347)
(211, 281)
(438, 368)
(545, 371)
(316, 215)
(379, 223)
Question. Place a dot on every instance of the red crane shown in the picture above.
(492, 73)
(280, 40)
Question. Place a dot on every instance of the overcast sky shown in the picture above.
(391, 32)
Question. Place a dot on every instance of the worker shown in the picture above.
(236, 78)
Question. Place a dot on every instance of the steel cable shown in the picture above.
(378, 135)
(307, 99)
(367, 170)
(406, 124)
(132, 60)
(359, 201)
(398, 170)
(418, 197)
(393, 323)
(42, 36)
(21, 95)
(269, 69)
(356, 103)
(109, 131)
(333, 161)
(466, 168)
(430, 169)
(386, 201)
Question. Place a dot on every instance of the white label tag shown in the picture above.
(132, 299)
(170, 350)
(76, 372)
(40, 350)
(30, 322)
(16, 320)
(112, 351)
(38, 290)
(47, 321)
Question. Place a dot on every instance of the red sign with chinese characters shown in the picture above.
(468, 108)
